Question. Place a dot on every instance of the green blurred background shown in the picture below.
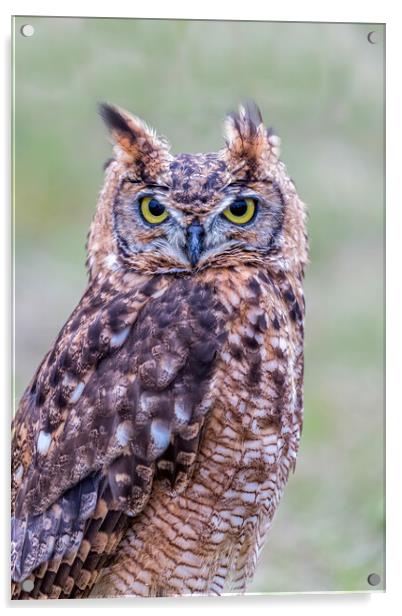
(321, 87)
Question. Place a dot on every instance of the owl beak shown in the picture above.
(195, 240)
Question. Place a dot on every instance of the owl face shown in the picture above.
(185, 213)
(196, 216)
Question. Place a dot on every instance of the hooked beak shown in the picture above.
(195, 238)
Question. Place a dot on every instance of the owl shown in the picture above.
(152, 446)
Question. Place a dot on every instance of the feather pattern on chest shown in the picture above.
(249, 445)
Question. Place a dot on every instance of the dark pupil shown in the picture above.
(239, 207)
(156, 208)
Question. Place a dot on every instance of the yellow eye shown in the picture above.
(152, 211)
(240, 211)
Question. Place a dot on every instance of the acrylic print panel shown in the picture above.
(154, 442)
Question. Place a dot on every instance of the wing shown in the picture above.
(118, 402)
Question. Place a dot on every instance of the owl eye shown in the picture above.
(152, 211)
(240, 211)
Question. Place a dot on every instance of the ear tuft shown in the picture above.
(251, 117)
(134, 142)
(114, 119)
(248, 142)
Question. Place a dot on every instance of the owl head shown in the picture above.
(165, 213)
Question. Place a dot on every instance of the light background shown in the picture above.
(321, 86)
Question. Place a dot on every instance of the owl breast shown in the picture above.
(207, 538)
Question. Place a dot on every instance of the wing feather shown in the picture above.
(117, 402)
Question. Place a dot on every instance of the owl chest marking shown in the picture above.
(215, 527)
(235, 477)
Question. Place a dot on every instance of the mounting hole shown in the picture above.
(27, 585)
(27, 30)
(374, 579)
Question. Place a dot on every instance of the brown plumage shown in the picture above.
(152, 446)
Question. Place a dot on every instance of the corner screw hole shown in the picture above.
(27, 30)
(27, 585)
(374, 579)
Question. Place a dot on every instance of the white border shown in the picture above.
(341, 11)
